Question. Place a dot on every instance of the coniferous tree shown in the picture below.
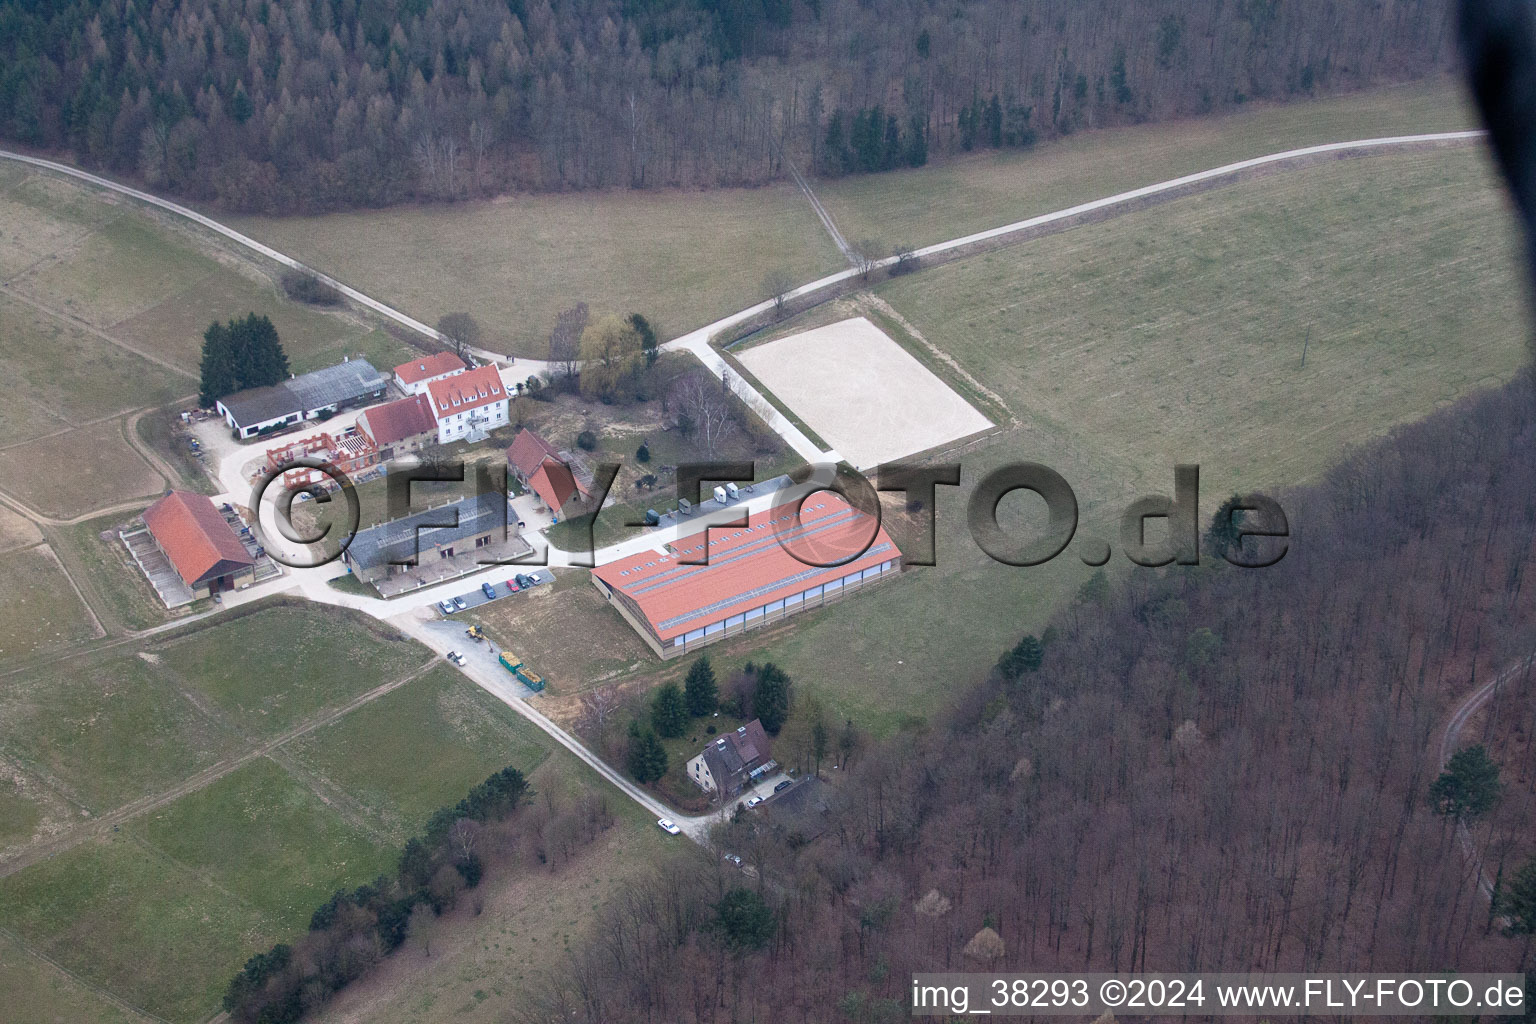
(1469, 787)
(700, 688)
(647, 757)
(669, 713)
(218, 365)
(770, 702)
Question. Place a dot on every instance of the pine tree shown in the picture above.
(771, 701)
(700, 689)
(994, 122)
(258, 353)
(892, 155)
(669, 713)
(217, 367)
(835, 147)
(1025, 656)
(917, 143)
(240, 106)
(647, 757)
(1469, 787)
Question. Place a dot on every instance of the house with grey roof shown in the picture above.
(732, 762)
(346, 385)
(430, 535)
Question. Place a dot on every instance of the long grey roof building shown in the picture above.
(404, 540)
(303, 397)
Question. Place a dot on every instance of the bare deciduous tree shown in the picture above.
(461, 330)
(776, 285)
(709, 406)
(565, 339)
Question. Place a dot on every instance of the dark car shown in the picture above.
(523, 582)
(782, 786)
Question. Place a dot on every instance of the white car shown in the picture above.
(457, 658)
(460, 603)
(668, 826)
(733, 860)
(753, 801)
(446, 606)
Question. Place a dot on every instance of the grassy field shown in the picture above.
(265, 836)
(681, 258)
(442, 720)
(38, 992)
(1177, 333)
(17, 531)
(130, 920)
(105, 573)
(956, 197)
(108, 731)
(265, 673)
(39, 611)
(88, 468)
(102, 309)
(56, 373)
(161, 912)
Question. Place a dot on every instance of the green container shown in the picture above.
(510, 661)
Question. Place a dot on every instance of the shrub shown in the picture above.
(643, 453)
(305, 287)
(586, 440)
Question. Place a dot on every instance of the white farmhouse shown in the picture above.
(468, 405)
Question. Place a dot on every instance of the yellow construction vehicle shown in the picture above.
(473, 632)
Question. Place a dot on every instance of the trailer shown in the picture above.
(531, 679)
(510, 661)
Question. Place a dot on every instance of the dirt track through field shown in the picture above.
(28, 855)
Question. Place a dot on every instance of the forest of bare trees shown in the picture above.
(1207, 769)
(315, 104)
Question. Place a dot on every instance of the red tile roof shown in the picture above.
(393, 422)
(195, 537)
(555, 484)
(479, 387)
(748, 566)
(529, 451)
(435, 365)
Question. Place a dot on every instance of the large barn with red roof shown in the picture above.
(756, 574)
(199, 543)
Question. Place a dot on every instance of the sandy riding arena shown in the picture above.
(864, 394)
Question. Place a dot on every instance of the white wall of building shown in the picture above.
(454, 424)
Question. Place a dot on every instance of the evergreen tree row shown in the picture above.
(872, 140)
(240, 354)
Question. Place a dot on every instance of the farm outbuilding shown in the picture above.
(757, 574)
(199, 543)
(308, 396)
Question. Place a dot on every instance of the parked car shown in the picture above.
(668, 826)
(457, 658)
(753, 801)
(733, 860)
(512, 587)
(446, 606)
(524, 581)
(460, 603)
(781, 787)
(489, 591)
